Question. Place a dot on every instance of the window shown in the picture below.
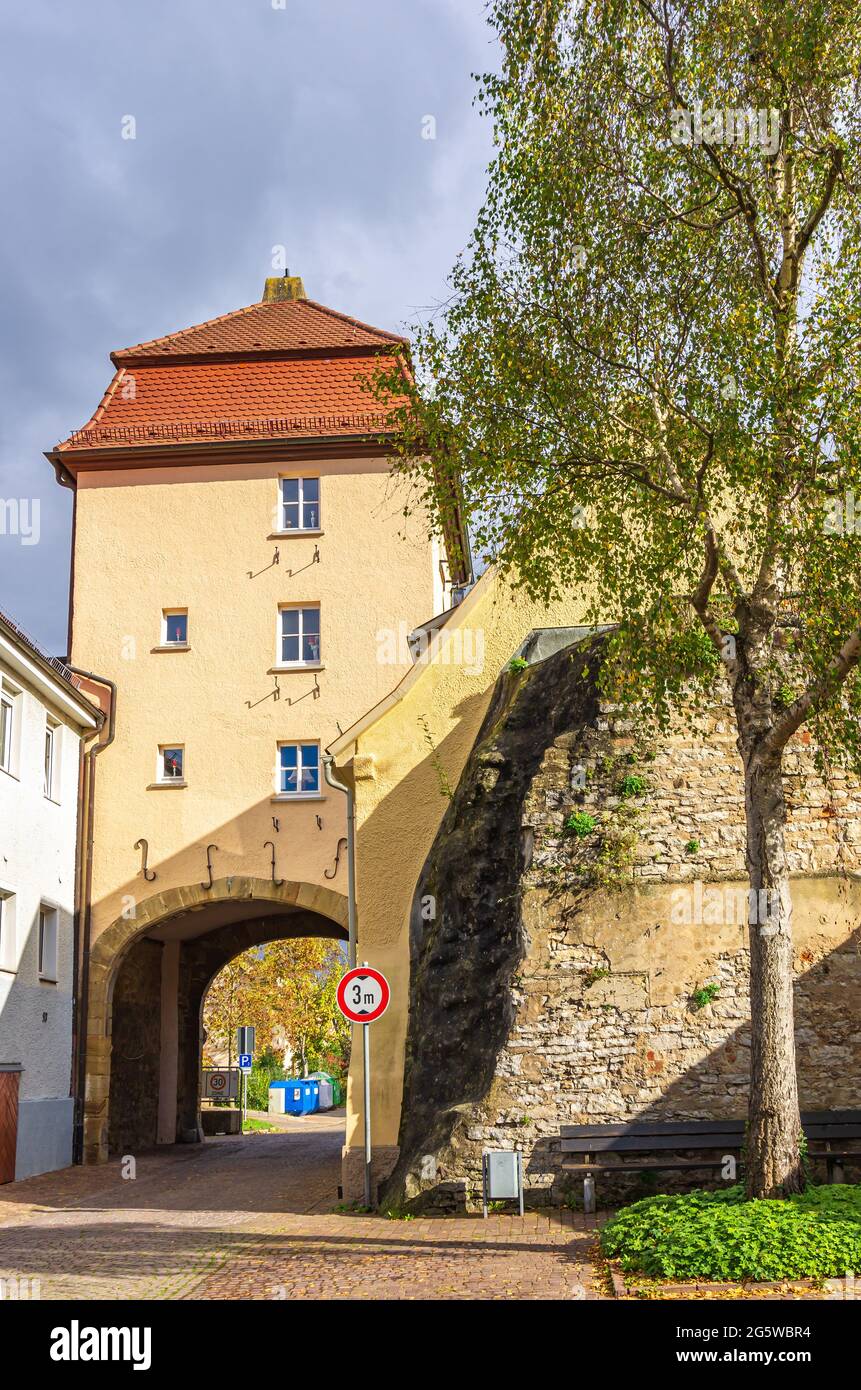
(300, 636)
(174, 627)
(7, 929)
(300, 504)
(171, 764)
(51, 741)
(6, 711)
(48, 944)
(299, 769)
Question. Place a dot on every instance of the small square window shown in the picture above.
(299, 769)
(300, 636)
(171, 764)
(174, 629)
(48, 946)
(300, 504)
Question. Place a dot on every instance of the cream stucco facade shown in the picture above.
(204, 540)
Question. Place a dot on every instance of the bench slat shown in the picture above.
(632, 1143)
(659, 1127)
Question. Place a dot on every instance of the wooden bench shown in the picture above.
(663, 1141)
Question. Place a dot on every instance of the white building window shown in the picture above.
(171, 763)
(174, 627)
(52, 742)
(48, 949)
(9, 704)
(7, 930)
(300, 636)
(299, 769)
(300, 504)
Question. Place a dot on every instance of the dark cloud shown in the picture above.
(256, 127)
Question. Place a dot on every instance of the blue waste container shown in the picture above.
(301, 1095)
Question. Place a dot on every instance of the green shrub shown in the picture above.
(261, 1074)
(722, 1235)
(580, 823)
(518, 663)
(632, 785)
(701, 997)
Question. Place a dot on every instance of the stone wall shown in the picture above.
(619, 955)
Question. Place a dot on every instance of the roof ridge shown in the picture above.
(357, 323)
(180, 335)
(182, 332)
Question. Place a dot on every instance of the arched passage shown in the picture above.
(148, 978)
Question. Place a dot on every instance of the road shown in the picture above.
(255, 1218)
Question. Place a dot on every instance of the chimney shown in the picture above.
(284, 286)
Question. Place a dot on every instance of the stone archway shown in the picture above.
(169, 950)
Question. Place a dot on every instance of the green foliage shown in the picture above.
(593, 976)
(518, 663)
(692, 847)
(581, 824)
(445, 787)
(262, 1072)
(631, 786)
(720, 1235)
(701, 997)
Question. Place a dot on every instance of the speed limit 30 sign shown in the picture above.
(363, 995)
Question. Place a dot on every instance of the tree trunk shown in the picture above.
(774, 1135)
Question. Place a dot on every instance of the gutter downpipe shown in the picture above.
(328, 764)
(84, 912)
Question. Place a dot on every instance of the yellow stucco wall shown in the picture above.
(399, 758)
(146, 540)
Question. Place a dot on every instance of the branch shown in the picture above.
(816, 694)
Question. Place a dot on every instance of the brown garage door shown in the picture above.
(8, 1124)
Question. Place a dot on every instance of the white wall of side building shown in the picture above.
(37, 873)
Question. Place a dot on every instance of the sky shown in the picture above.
(257, 125)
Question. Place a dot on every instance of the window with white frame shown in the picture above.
(7, 710)
(300, 504)
(48, 947)
(174, 627)
(7, 929)
(52, 740)
(299, 636)
(171, 763)
(299, 769)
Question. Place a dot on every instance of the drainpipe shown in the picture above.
(84, 915)
(328, 764)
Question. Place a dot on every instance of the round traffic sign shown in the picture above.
(363, 995)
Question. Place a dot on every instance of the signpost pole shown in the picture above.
(366, 1108)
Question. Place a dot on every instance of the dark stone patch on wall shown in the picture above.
(135, 1050)
(464, 959)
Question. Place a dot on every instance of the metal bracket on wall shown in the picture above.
(276, 560)
(143, 846)
(208, 885)
(276, 882)
(331, 873)
(274, 694)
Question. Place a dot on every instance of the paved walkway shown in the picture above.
(254, 1218)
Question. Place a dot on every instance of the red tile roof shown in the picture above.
(232, 400)
(274, 369)
(297, 325)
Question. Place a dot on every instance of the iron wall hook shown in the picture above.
(149, 874)
(327, 873)
(276, 882)
(208, 885)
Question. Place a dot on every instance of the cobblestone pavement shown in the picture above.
(253, 1218)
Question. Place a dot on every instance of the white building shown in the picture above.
(44, 717)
